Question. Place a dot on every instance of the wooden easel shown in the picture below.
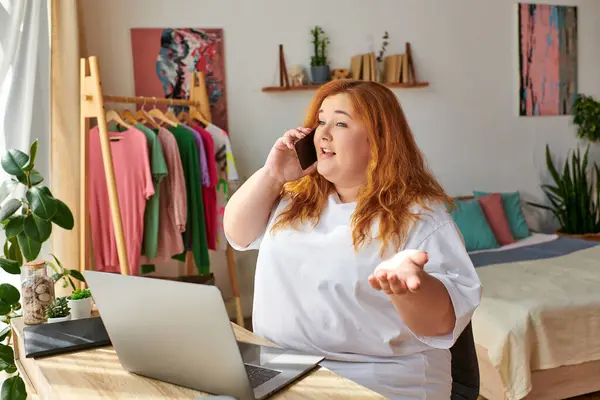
(92, 106)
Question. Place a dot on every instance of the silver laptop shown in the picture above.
(180, 333)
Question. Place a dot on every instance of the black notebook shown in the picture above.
(64, 337)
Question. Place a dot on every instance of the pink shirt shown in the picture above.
(134, 187)
(173, 199)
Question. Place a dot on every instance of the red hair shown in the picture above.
(397, 176)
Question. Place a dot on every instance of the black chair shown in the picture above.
(465, 368)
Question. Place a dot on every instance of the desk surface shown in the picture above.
(97, 374)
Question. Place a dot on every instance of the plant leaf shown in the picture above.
(37, 229)
(56, 277)
(14, 389)
(76, 274)
(4, 333)
(7, 358)
(9, 294)
(13, 161)
(63, 217)
(35, 178)
(29, 248)
(57, 261)
(32, 153)
(7, 188)
(14, 226)
(10, 266)
(42, 204)
(14, 251)
(9, 208)
(5, 308)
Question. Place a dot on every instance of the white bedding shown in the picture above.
(539, 314)
(535, 238)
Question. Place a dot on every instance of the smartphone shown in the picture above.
(306, 151)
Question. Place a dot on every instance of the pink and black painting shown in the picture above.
(163, 60)
(547, 59)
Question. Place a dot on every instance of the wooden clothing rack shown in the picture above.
(92, 106)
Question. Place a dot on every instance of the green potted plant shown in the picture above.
(80, 302)
(58, 311)
(586, 115)
(27, 221)
(574, 196)
(319, 67)
(64, 274)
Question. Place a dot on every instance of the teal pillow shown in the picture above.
(473, 225)
(514, 214)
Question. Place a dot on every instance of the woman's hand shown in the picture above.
(401, 273)
(282, 162)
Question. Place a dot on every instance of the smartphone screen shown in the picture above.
(305, 148)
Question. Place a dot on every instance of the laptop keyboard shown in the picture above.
(259, 375)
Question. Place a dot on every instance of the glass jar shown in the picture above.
(37, 290)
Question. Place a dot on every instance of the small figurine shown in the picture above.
(297, 75)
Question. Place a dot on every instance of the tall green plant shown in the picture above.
(574, 196)
(27, 222)
(320, 42)
(586, 115)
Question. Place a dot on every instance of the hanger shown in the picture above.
(158, 114)
(145, 118)
(197, 115)
(169, 114)
(112, 115)
(127, 115)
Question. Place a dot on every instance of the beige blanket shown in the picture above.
(539, 315)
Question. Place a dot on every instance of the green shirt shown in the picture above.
(194, 237)
(158, 169)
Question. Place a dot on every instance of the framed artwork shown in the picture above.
(164, 58)
(547, 59)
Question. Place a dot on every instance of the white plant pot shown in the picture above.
(59, 319)
(80, 308)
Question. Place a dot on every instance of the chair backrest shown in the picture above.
(465, 368)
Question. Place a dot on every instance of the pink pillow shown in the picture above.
(493, 209)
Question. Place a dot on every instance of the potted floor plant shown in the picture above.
(58, 311)
(574, 196)
(27, 221)
(80, 302)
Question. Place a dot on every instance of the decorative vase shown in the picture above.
(37, 289)
(59, 319)
(320, 74)
(81, 308)
(379, 72)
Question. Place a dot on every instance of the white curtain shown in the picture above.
(24, 83)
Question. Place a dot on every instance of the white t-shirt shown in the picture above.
(311, 293)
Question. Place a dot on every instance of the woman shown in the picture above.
(359, 259)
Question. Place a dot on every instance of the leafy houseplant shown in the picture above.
(319, 67)
(574, 196)
(59, 310)
(586, 115)
(27, 222)
(80, 302)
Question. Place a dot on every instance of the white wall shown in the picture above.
(466, 121)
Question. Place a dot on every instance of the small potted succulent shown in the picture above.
(59, 310)
(80, 302)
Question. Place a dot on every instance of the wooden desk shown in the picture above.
(97, 374)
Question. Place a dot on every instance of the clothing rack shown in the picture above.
(92, 106)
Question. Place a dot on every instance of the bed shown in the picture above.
(537, 330)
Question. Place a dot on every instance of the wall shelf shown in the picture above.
(314, 87)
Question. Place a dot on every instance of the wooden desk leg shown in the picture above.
(235, 289)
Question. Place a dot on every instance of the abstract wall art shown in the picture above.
(164, 58)
(547, 59)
